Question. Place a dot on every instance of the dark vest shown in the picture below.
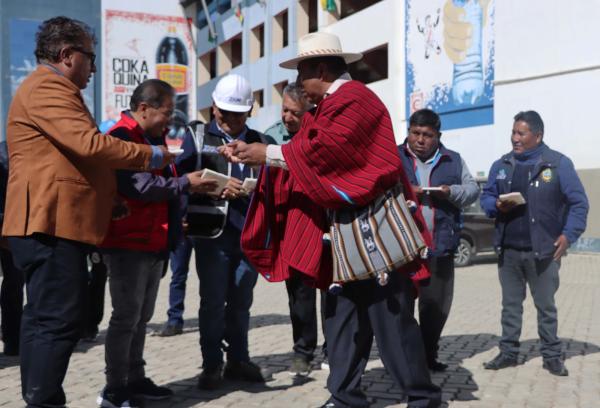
(206, 217)
(447, 218)
(546, 206)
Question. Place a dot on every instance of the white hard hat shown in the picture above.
(233, 93)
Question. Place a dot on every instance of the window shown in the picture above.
(277, 94)
(257, 42)
(280, 31)
(313, 21)
(230, 55)
(349, 7)
(223, 5)
(372, 67)
(202, 18)
(207, 68)
(258, 100)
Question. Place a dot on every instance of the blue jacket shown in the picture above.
(557, 203)
(449, 170)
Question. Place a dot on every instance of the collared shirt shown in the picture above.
(423, 175)
(274, 154)
(229, 138)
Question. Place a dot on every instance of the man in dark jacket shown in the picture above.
(11, 293)
(144, 221)
(532, 237)
(444, 185)
(226, 277)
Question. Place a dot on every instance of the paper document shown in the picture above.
(221, 179)
(514, 197)
(249, 185)
(431, 188)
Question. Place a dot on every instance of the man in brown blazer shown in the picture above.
(59, 198)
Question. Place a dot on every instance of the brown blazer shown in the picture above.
(61, 168)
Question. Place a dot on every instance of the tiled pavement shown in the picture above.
(470, 338)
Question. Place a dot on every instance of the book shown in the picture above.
(249, 185)
(221, 179)
(515, 197)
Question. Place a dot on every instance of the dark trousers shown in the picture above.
(516, 270)
(180, 266)
(226, 287)
(11, 300)
(133, 280)
(303, 314)
(94, 312)
(435, 301)
(363, 310)
(56, 280)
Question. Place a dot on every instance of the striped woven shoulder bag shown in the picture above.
(373, 241)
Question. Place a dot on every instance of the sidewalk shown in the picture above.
(470, 338)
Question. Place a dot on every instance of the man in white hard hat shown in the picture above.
(344, 155)
(215, 224)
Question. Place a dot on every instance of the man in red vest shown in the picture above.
(145, 222)
(344, 155)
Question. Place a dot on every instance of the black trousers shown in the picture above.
(363, 310)
(303, 314)
(11, 300)
(435, 301)
(56, 279)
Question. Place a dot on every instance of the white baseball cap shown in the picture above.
(233, 93)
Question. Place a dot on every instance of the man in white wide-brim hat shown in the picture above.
(344, 155)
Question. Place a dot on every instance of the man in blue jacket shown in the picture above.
(532, 237)
(442, 182)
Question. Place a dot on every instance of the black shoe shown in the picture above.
(437, 366)
(244, 370)
(501, 361)
(117, 398)
(147, 389)
(11, 349)
(211, 379)
(170, 330)
(556, 366)
(300, 367)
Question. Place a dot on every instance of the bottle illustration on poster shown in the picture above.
(172, 65)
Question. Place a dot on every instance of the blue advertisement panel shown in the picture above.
(450, 60)
(22, 58)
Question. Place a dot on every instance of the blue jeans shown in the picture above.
(180, 266)
(226, 284)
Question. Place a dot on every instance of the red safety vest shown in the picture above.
(146, 226)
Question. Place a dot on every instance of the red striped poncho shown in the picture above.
(344, 154)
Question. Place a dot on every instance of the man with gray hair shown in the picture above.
(302, 297)
(293, 107)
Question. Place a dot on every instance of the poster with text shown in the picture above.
(143, 45)
(450, 60)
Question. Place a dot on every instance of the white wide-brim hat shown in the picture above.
(316, 45)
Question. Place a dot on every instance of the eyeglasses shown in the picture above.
(88, 54)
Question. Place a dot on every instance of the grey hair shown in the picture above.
(294, 91)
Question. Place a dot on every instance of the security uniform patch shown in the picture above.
(547, 175)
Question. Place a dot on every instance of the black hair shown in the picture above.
(152, 92)
(425, 117)
(533, 119)
(335, 65)
(58, 32)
